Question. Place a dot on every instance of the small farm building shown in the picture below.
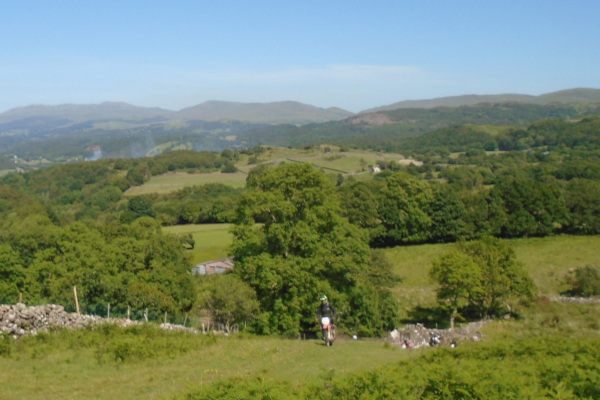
(213, 267)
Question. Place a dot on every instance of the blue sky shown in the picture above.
(349, 54)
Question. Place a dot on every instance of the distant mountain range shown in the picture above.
(123, 114)
(116, 115)
(579, 95)
(72, 131)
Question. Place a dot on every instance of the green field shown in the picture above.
(83, 365)
(546, 259)
(173, 181)
(211, 240)
(76, 373)
(351, 163)
(326, 157)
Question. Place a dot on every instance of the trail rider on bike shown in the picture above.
(326, 309)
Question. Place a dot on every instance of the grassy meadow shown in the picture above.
(146, 363)
(547, 260)
(173, 181)
(333, 162)
(326, 157)
(549, 348)
(85, 368)
(211, 240)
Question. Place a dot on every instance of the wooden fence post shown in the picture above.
(76, 300)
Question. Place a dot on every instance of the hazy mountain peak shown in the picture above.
(278, 112)
(563, 96)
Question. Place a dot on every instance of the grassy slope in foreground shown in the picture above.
(79, 368)
(74, 372)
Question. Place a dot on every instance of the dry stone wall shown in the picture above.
(417, 335)
(18, 320)
(577, 300)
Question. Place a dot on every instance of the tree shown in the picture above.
(530, 207)
(228, 300)
(138, 206)
(12, 275)
(447, 212)
(582, 198)
(304, 248)
(503, 278)
(136, 265)
(404, 209)
(482, 275)
(141, 206)
(584, 281)
(360, 206)
(459, 279)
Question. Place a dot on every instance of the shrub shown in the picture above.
(584, 281)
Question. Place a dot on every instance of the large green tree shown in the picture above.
(459, 279)
(303, 248)
(447, 212)
(360, 205)
(133, 265)
(483, 275)
(404, 209)
(582, 197)
(12, 275)
(528, 207)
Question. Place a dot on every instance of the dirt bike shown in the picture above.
(328, 331)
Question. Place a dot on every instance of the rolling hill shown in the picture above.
(283, 112)
(44, 117)
(579, 95)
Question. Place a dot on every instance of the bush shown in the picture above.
(584, 282)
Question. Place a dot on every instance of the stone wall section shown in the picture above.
(18, 319)
(417, 335)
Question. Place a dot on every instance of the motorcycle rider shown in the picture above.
(326, 309)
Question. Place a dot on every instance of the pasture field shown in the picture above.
(211, 240)
(79, 367)
(107, 363)
(327, 157)
(547, 260)
(173, 181)
(351, 163)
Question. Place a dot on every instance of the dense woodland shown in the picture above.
(71, 224)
